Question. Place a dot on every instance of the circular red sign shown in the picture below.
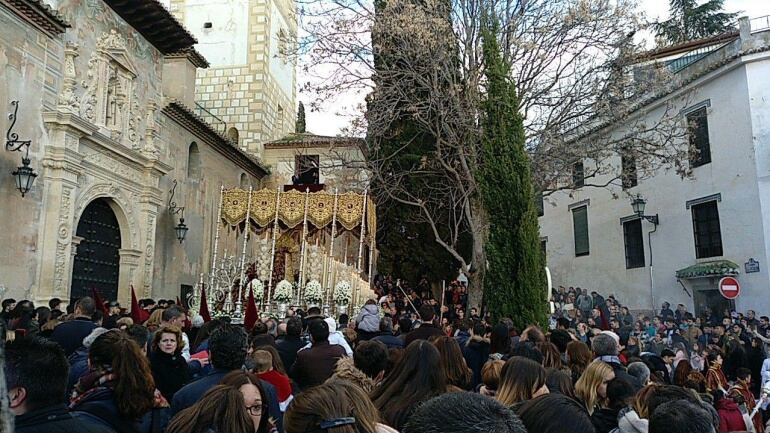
(729, 287)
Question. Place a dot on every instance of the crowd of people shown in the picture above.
(408, 361)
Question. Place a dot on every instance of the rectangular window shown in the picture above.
(634, 243)
(578, 175)
(628, 166)
(706, 230)
(700, 148)
(580, 227)
(306, 169)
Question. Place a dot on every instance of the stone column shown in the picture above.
(75, 243)
(149, 203)
(128, 274)
(61, 168)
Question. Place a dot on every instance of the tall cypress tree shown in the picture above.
(300, 127)
(515, 283)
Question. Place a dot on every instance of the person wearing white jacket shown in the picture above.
(335, 337)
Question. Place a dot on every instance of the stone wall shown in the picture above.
(30, 67)
(91, 103)
(255, 97)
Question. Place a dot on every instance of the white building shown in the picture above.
(714, 224)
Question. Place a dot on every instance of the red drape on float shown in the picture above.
(204, 309)
(251, 312)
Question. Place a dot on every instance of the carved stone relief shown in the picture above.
(125, 201)
(148, 253)
(104, 161)
(67, 99)
(110, 98)
(63, 240)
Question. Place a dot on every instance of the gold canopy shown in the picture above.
(291, 209)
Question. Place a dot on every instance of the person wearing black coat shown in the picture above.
(56, 419)
(169, 368)
(69, 335)
(288, 345)
(36, 370)
(476, 352)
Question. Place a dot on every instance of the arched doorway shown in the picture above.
(97, 261)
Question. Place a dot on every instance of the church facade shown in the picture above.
(104, 92)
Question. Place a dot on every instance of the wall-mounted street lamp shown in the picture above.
(181, 228)
(24, 174)
(638, 204)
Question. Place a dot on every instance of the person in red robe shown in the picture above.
(742, 389)
(715, 378)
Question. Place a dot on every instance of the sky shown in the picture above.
(334, 114)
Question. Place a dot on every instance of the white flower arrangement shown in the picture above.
(313, 292)
(342, 293)
(258, 288)
(283, 292)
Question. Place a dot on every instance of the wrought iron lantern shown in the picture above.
(24, 174)
(181, 228)
(638, 204)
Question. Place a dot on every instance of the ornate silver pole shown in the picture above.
(246, 231)
(218, 221)
(272, 253)
(304, 249)
(363, 233)
(372, 247)
(327, 274)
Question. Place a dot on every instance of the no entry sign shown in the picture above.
(729, 287)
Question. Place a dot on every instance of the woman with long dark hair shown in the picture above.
(220, 410)
(237, 405)
(521, 379)
(418, 377)
(254, 396)
(578, 357)
(119, 389)
(456, 370)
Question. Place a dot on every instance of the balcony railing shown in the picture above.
(676, 65)
(211, 118)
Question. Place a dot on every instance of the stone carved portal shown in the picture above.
(110, 99)
(97, 263)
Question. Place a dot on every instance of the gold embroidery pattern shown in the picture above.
(263, 207)
(292, 209)
(320, 209)
(349, 210)
(234, 203)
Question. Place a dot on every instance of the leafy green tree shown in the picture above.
(515, 282)
(690, 21)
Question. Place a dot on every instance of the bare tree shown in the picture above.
(576, 70)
